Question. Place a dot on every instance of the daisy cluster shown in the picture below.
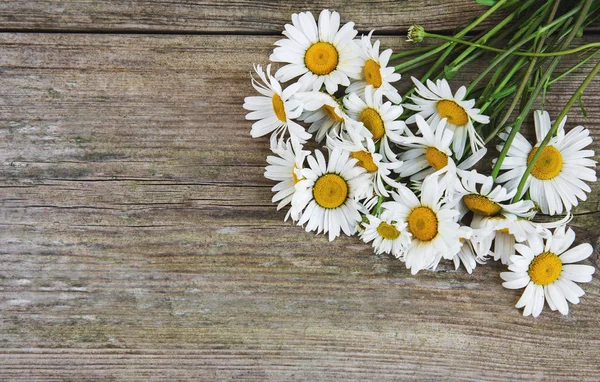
(401, 174)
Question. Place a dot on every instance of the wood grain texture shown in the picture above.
(242, 16)
(138, 240)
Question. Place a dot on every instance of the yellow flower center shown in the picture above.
(545, 268)
(321, 58)
(296, 179)
(452, 111)
(548, 165)
(436, 158)
(504, 230)
(372, 73)
(373, 122)
(423, 223)
(365, 160)
(481, 205)
(330, 191)
(330, 111)
(278, 108)
(388, 231)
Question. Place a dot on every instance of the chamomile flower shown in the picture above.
(387, 234)
(285, 167)
(547, 272)
(378, 117)
(275, 110)
(436, 102)
(377, 168)
(557, 179)
(467, 256)
(431, 222)
(319, 54)
(375, 71)
(325, 198)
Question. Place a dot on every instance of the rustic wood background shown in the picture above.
(137, 236)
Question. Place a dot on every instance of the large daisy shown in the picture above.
(320, 54)
(275, 110)
(436, 101)
(326, 198)
(375, 71)
(557, 179)
(435, 233)
(387, 234)
(285, 167)
(378, 117)
(547, 272)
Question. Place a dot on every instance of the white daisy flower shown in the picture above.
(377, 169)
(326, 199)
(467, 256)
(285, 168)
(557, 178)
(547, 272)
(387, 234)
(375, 71)
(435, 233)
(436, 102)
(275, 110)
(327, 117)
(323, 54)
(378, 117)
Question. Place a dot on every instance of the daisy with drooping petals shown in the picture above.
(467, 257)
(436, 102)
(432, 224)
(323, 54)
(326, 198)
(375, 71)
(557, 178)
(547, 272)
(285, 168)
(378, 117)
(275, 110)
(387, 234)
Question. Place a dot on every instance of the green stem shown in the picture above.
(578, 93)
(411, 52)
(575, 67)
(525, 54)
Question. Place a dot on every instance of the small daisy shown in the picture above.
(327, 117)
(436, 102)
(378, 170)
(557, 178)
(467, 257)
(275, 110)
(325, 198)
(432, 224)
(323, 54)
(285, 168)
(375, 71)
(378, 117)
(387, 234)
(548, 273)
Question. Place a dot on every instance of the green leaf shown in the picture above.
(489, 3)
(582, 106)
(450, 71)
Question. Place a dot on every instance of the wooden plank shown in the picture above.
(244, 16)
(138, 241)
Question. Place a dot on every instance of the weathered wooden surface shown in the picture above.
(138, 240)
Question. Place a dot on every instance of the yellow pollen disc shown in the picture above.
(278, 108)
(545, 268)
(423, 223)
(296, 179)
(388, 231)
(330, 111)
(548, 165)
(504, 230)
(436, 158)
(321, 58)
(481, 205)
(452, 111)
(372, 73)
(373, 122)
(365, 160)
(330, 191)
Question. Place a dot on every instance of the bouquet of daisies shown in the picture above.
(404, 171)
